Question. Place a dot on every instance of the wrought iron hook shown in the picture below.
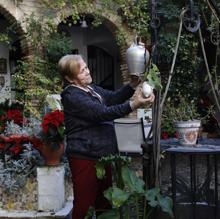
(191, 18)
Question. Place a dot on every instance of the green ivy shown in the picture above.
(38, 76)
(134, 14)
(188, 79)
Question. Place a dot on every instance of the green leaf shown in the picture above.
(90, 213)
(111, 214)
(154, 81)
(152, 77)
(61, 131)
(134, 183)
(116, 196)
(100, 170)
(151, 196)
(166, 204)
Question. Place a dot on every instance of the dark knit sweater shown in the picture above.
(88, 121)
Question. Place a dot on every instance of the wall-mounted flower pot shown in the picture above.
(187, 131)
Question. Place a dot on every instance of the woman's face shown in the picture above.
(83, 77)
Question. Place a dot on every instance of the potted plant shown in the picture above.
(128, 196)
(50, 141)
(184, 117)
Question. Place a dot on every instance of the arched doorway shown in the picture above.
(10, 53)
(101, 65)
(99, 49)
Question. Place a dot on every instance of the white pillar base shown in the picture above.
(51, 193)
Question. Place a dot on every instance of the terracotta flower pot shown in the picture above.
(52, 156)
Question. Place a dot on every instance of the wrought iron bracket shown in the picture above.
(191, 19)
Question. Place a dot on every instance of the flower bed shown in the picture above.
(25, 198)
(21, 147)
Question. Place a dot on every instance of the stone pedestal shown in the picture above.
(50, 188)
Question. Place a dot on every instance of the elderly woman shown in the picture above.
(89, 111)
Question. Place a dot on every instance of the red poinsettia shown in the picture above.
(53, 128)
(37, 143)
(164, 135)
(3, 118)
(15, 141)
(176, 135)
(16, 116)
(53, 120)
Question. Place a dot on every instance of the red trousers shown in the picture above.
(88, 190)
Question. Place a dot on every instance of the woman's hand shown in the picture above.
(134, 81)
(140, 101)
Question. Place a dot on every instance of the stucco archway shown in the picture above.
(14, 16)
(11, 52)
(114, 24)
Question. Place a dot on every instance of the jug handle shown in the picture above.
(136, 40)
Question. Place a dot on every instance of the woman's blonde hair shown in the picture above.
(68, 66)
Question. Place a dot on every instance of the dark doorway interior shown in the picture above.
(101, 65)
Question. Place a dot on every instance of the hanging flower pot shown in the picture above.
(187, 131)
(137, 57)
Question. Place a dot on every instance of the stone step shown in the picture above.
(63, 213)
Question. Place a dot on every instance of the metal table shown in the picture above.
(204, 148)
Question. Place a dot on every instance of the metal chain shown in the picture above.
(158, 107)
(156, 118)
(207, 68)
(174, 60)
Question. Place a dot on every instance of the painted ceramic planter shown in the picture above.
(188, 131)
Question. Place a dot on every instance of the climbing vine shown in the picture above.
(190, 75)
(134, 14)
(38, 76)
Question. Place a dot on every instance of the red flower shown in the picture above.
(164, 135)
(16, 149)
(52, 133)
(3, 118)
(2, 146)
(37, 143)
(52, 120)
(176, 135)
(17, 142)
(16, 116)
